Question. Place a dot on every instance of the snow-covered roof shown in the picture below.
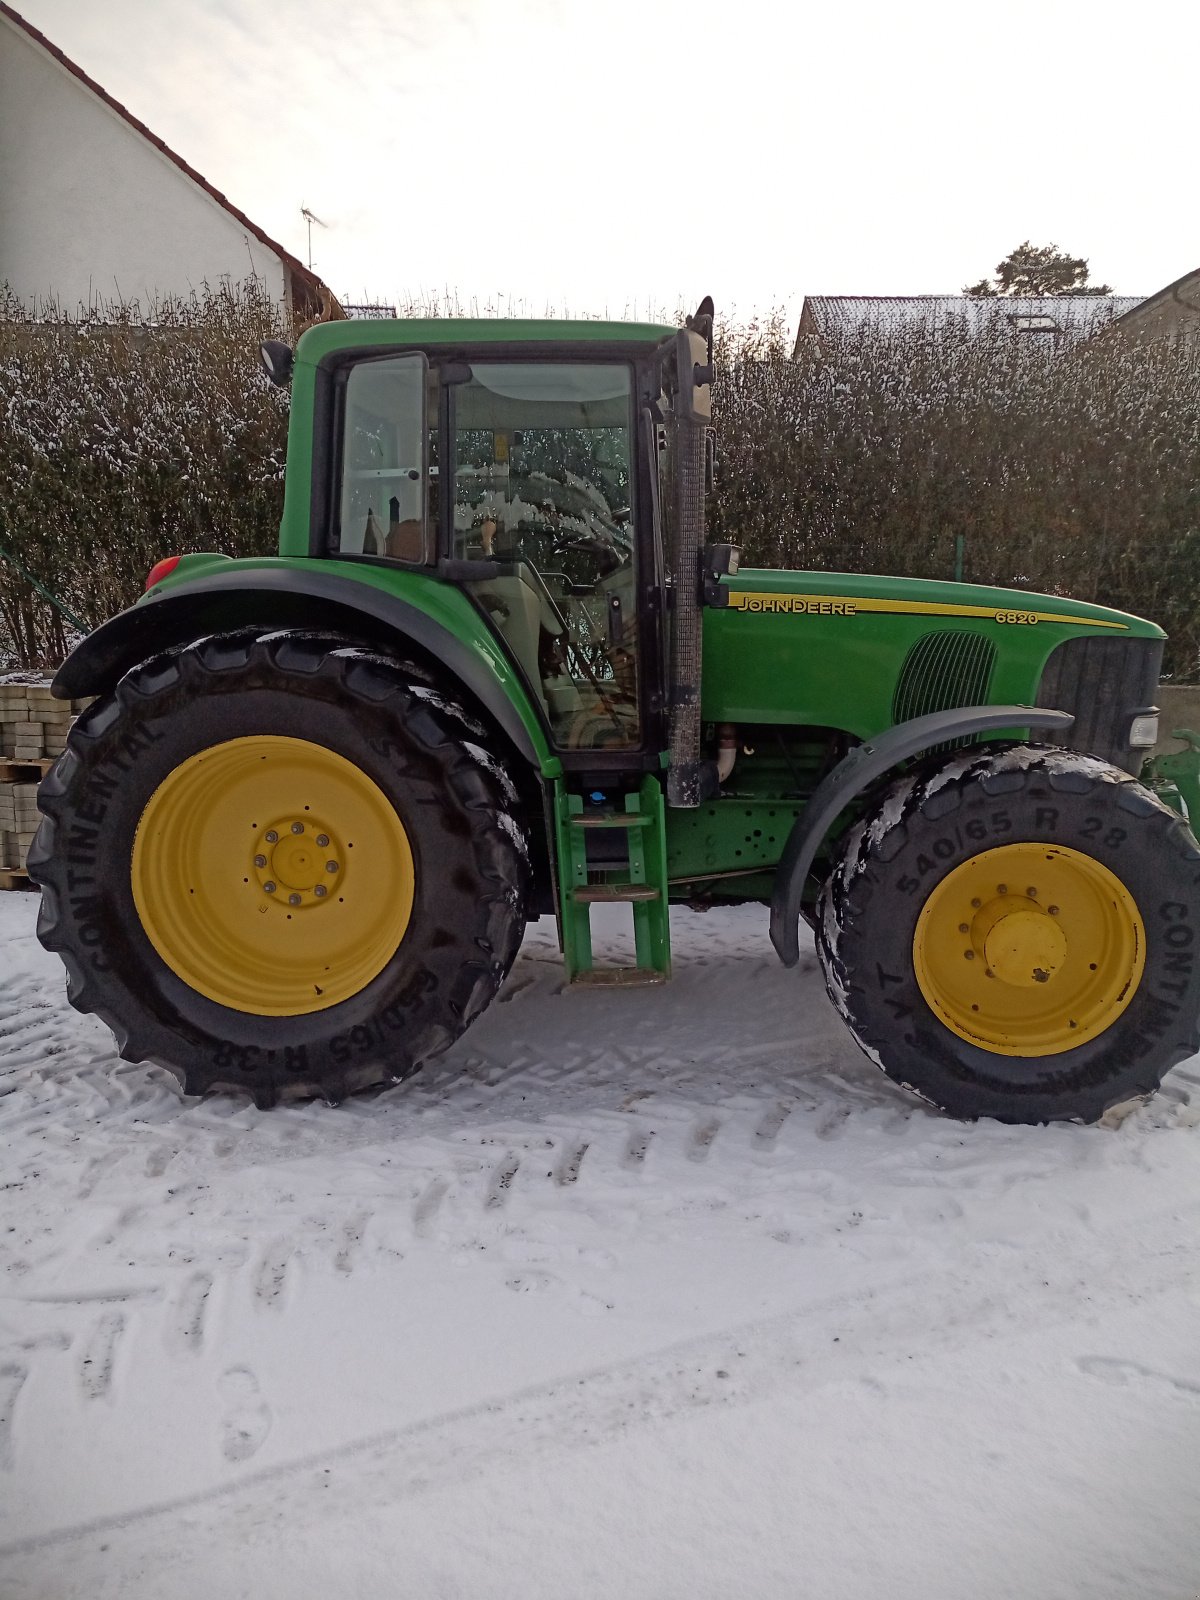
(1076, 314)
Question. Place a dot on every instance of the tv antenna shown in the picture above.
(310, 217)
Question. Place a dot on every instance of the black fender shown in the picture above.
(286, 598)
(851, 776)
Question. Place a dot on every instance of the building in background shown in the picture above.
(95, 207)
(1055, 318)
(1171, 314)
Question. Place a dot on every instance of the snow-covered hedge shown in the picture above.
(125, 437)
(1077, 470)
(1072, 469)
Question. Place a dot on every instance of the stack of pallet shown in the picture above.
(33, 732)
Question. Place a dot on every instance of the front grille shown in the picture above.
(942, 672)
(1103, 682)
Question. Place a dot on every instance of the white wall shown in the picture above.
(90, 209)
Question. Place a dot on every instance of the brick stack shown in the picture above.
(33, 730)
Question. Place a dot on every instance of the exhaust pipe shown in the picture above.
(690, 780)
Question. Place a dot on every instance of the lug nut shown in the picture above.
(975, 904)
(970, 954)
(297, 827)
(260, 861)
(964, 927)
(322, 841)
(293, 899)
(320, 891)
(268, 888)
(1053, 910)
(331, 866)
(1001, 888)
(272, 837)
(1032, 893)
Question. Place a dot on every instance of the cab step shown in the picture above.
(639, 881)
(610, 819)
(607, 893)
(618, 977)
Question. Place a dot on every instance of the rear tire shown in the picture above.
(188, 950)
(974, 998)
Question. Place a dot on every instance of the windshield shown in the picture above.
(542, 465)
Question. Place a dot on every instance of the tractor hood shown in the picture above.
(832, 649)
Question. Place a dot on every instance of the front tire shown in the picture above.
(280, 865)
(1014, 933)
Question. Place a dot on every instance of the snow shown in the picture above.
(661, 1292)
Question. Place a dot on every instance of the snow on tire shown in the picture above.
(1015, 933)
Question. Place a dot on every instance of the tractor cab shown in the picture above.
(537, 480)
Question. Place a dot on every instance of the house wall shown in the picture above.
(89, 209)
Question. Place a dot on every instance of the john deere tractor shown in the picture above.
(496, 672)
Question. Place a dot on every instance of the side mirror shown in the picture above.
(277, 360)
(694, 363)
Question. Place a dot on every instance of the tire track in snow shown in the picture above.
(735, 1366)
(635, 1151)
(189, 1313)
(350, 1239)
(701, 1140)
(1118, 1371)
(428, 1205)
(771, 1122)
(568, 1170)
(501, 1183)
(271, 1275)
(12, 1377)
(98, 1358)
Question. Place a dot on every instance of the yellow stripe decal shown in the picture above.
(844, 605)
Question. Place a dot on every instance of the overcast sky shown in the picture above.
(628, 155)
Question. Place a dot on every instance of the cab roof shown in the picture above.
(327, 337)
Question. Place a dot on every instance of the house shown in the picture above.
(93, 206)
(1048, 318)
(1173, 313)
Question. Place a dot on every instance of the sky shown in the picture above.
(629, 157)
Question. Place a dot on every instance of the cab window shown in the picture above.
(542, 487)
(384, 509)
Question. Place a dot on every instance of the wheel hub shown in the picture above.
(301, 858)
(1018, 941)
(272, 875)
(1029, 949)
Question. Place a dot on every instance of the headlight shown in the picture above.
(1143, 731)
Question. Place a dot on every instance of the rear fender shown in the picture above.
(296, 598)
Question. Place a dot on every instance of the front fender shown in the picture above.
(851, 776)
(295, 597)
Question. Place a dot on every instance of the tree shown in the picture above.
(1037, 270)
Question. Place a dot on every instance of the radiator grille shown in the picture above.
(943, 671)
(1103, 682)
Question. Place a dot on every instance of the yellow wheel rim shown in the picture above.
(272, 876)
(1029, 949)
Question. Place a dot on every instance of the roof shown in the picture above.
(1185, 290)
(1078, 314)
(327, 337)
(318, 290)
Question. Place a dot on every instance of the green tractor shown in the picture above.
(496, 671)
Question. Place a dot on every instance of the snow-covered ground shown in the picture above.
(645, 1293)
